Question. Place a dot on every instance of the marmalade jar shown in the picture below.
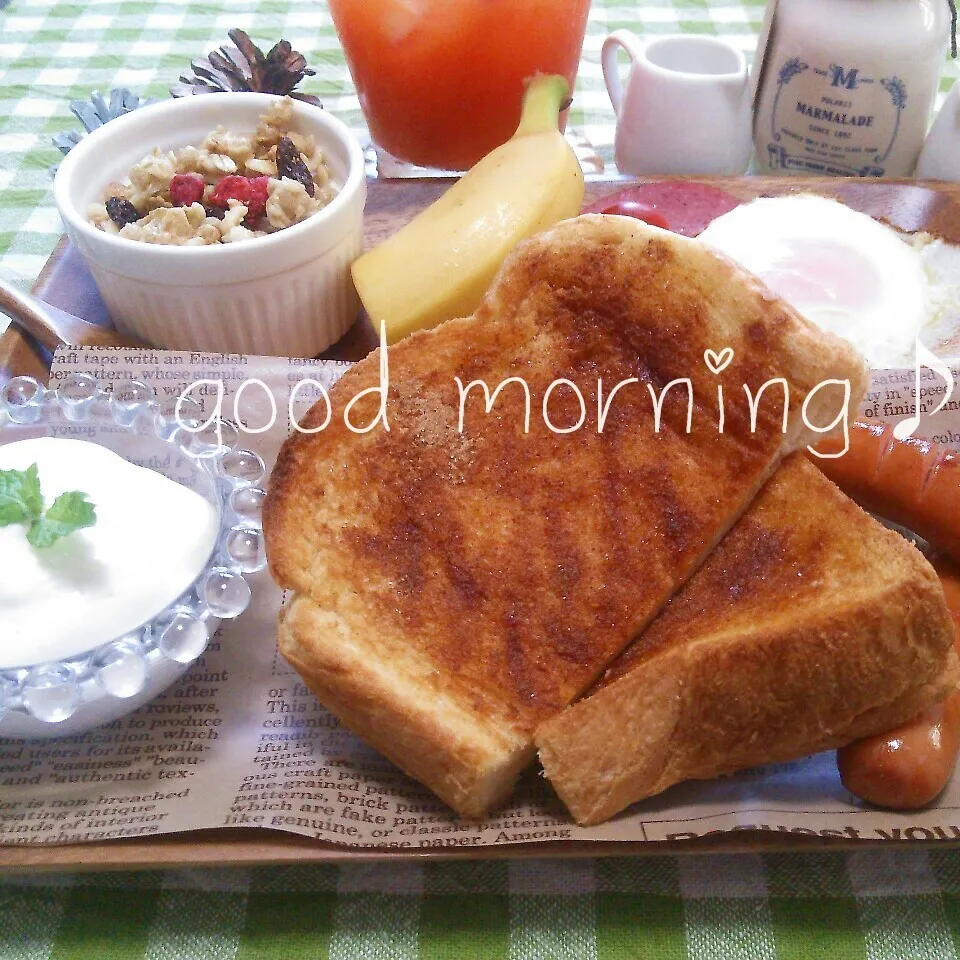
(847, 87)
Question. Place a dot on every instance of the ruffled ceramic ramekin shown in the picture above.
(89, 687)
(286, 294)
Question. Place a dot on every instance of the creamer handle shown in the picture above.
(611, 69)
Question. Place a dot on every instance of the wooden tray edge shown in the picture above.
(230, 847)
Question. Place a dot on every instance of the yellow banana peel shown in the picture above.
(441, 263)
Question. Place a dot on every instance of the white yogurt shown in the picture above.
(151, 540)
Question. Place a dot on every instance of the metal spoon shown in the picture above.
(53, 328)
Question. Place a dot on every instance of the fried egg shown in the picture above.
(879, 289)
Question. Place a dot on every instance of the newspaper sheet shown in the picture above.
(240, 741)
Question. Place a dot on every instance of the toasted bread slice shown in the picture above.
(456, 587)
(809, 626)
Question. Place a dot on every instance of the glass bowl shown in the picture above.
(90, 687)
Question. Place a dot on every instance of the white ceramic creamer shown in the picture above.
(685, 108)
(846, 87)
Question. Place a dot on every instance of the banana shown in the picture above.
(440, 264)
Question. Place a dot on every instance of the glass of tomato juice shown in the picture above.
(441, 81)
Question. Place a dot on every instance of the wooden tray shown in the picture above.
(65, 283)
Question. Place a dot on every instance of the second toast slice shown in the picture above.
(811, 625)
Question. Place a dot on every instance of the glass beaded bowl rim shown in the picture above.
(120, 667)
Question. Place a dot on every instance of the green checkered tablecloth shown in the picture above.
(899, 902)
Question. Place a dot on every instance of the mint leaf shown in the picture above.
(70, 511)
(22, 502)
(20, 497)
(32, 491)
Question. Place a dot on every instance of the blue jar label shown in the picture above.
(833, 119)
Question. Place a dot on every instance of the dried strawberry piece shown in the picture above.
(121, 211)
(231, 187)
(252, 192)
(256, 202)
(186, 188)
(290, 164)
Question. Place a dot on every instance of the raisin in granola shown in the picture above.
(121, 211)
(290, 164)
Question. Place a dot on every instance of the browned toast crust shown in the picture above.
(809, 626)
(439, 741)
(512, 567)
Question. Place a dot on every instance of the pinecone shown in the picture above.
(242, 66)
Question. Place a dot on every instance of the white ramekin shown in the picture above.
(288, 294)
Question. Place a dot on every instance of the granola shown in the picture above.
(230, 189)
